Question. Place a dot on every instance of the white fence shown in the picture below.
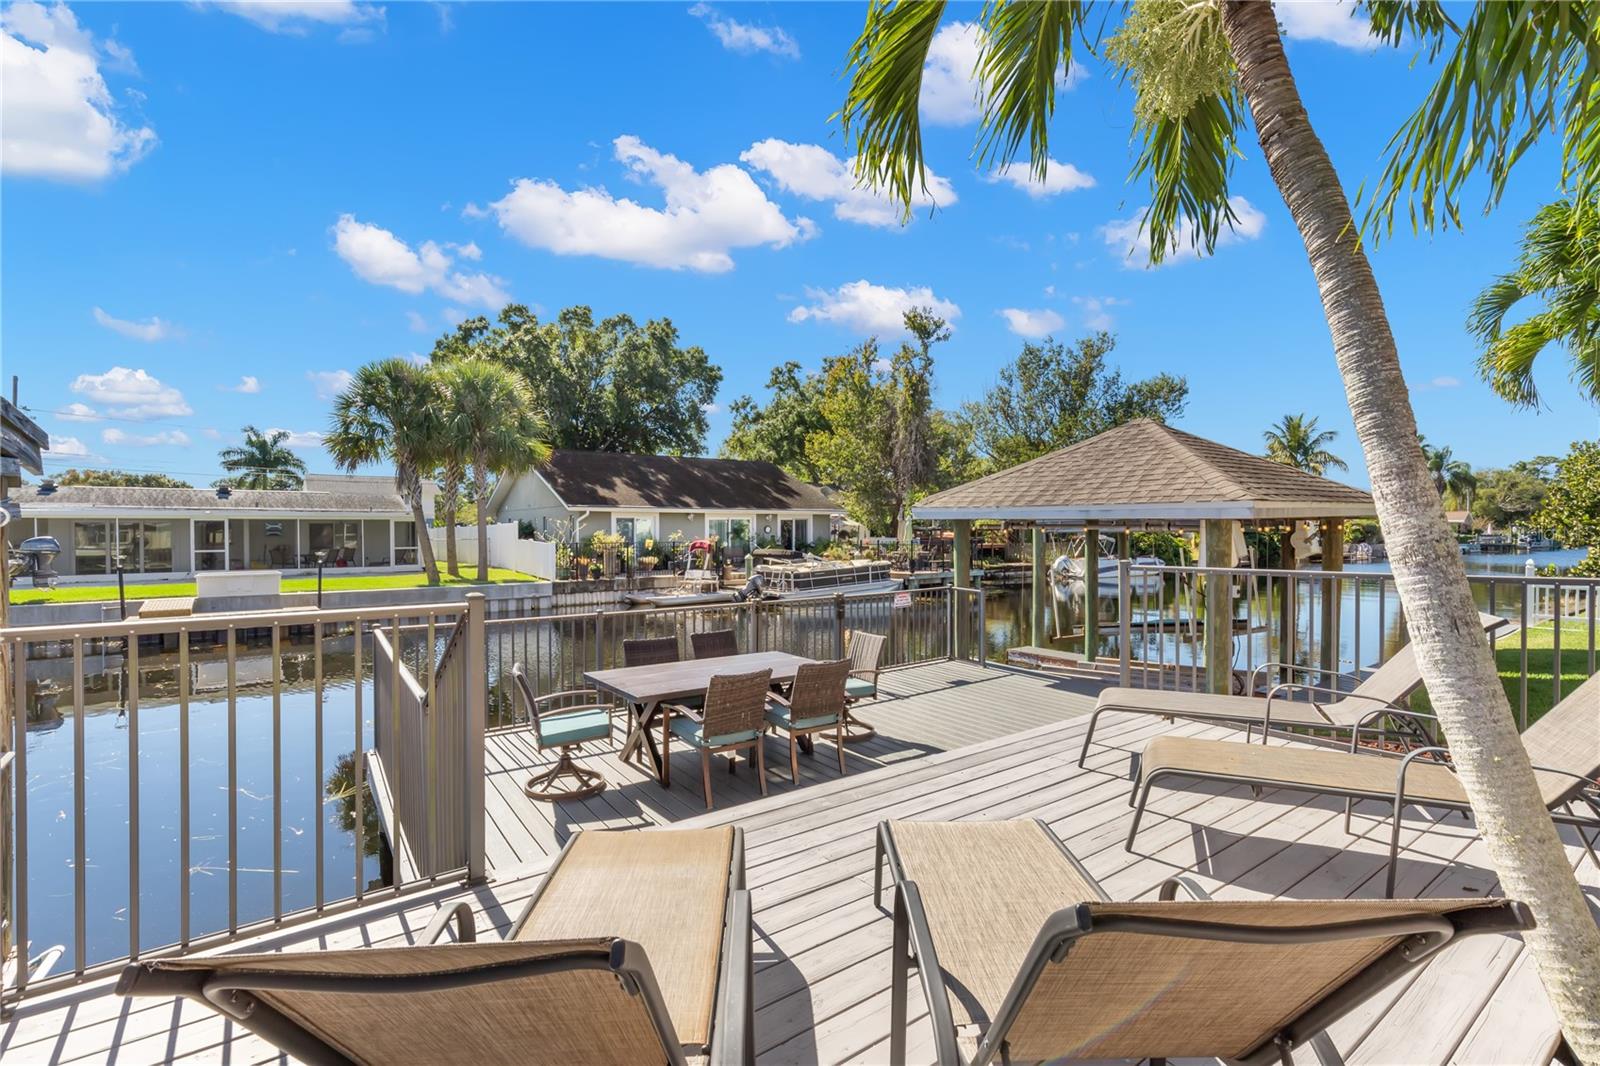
(535, 557)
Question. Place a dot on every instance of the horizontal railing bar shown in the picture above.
(200, 623)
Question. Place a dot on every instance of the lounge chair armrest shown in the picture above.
(1412, 756)
(1387, 710)
(908, 907)
(733, 1040)
(460, 913)
(1169, 888)
(1588, 781)
(1295, 668)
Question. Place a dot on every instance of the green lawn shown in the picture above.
(1541, 666)
(330, 583)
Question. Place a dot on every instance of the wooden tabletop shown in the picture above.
(690, 677)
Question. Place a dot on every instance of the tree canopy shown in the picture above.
(118, 478)
(1295, 441)
(777, 432)
(1570, 510)
(1509, 496)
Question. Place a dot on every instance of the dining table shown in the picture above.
(643, 690)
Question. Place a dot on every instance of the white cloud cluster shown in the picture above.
(77, 412)
(949, 76)
(1097, 310)
(868, 308)
(57, 117)
(126, 393)
(329, 383)
(378, 256)
(1337, 23)
(1035, 323)
(152, 329)
(67, 446)
(248, 385)
(743, 37)
(174, 437)
(1058, 178)
(298, 17)
(1130, 243)
(811, 171)
(297, 438)
(707, 214)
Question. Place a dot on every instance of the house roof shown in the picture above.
(78, 499)
(1144, 471)
(667, 482)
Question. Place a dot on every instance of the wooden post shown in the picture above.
(1332, 562)
(1091, 592)
(1286, 609)
(1216, 539)
(476, 665)
(961, 558)
(1036, 616)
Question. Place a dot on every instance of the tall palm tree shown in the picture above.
(488, 417)
(1198, 69)
(1560, 265)
(390, 414)
(262, 462)
(1295, 442)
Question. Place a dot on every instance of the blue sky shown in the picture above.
(213, 212)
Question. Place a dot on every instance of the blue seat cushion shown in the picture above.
(691, 732)
(859, 688)
(575, 727)
(779, 715)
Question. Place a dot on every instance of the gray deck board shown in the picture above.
(822, 944)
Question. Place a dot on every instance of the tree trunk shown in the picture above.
(480, 482)
(1456, 663)
(430, 565)
(450, 498)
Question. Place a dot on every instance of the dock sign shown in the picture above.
(902, 599)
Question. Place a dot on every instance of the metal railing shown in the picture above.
(181, 782)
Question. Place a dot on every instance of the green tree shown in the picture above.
(1452, 478)
(1570, 510)
(856, 451)
(390, 413)
(1198, 70)
(262, 462)
(1295, 441)
(116, 478)
(488, 416)
(1559, 265)
(1054, 395)
(1509, 496)
(777, 433)
(911, 448)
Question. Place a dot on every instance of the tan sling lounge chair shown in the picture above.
(1022, 958)
(1564, 746)
(634, 949)
(1383, 688)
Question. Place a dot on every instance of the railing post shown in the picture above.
(1124, 621)
(950, 625)
(476, 668)
(599, 638)
(983, 630)
(838, 625)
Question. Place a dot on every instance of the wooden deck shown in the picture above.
(821, 948)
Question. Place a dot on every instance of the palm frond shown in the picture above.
(1188, 161)
(1026, 48)
(1507, 364)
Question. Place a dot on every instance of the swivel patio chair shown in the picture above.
(714, 644)
(865, 651)
(733, 717)
(636, 947)
(1022, 957)
(563, 721)
(815, 704)
(649, 651)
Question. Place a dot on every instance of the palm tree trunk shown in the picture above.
(430, 565)
(1457, 666)
(450, 497)
(480, 482)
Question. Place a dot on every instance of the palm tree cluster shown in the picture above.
(1452, 478)
(1295, 441)
(444, 418)
(263, 461)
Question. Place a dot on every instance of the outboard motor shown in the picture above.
(38, 559)
(752, 589)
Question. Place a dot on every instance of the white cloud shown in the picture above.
(1097, 310)
(131, 394)
(57, 115)
(175, 437)
(1444, 381)
(869, 308)
(1131, 244)
(1059, 178)
(949, 88)
(65, 446)
(329, 383)
(470, 250)
(378, 256)
(152, 329)
(78, 412)
(745, 38)
(211, 433)
(1026, 323)
(297, 17)
(416, 323)
(707, 215)
(812, 171)
(1326, 20)
(299, 439)
(248, 384)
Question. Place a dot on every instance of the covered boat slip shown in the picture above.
(822, 944)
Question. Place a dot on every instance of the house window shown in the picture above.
(210, 545)
(636, 531)
(91, 547)
(146, 547)
(341, 540)
(793, 533)
(733, 538)
(405, 544)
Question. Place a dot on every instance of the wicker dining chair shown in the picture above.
(714, 644)
(649, 651)
(814, 705)
(732, 717)
(866, 652)
(563, 721)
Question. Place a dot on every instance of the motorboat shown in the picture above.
(813, 577)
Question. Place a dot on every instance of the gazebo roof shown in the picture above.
(1146, 471)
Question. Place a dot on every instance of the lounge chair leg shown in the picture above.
(1138, 813)
(1588, 845)
(1094, 716)
(877, 868)
(1322, 1047)
(899, 974)
(1394, 852)
(705, 775)
(761, 762)
(794, 760)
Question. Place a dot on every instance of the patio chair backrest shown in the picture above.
(1567, 738)
(1133, 985)
(649, 651)
(497, 1003)
(554, 703)
(865, 650)
(1392, 682)
(714, 644)
(736, 703)
(819, 690)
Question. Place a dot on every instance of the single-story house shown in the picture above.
(742, 503)
(174, 532)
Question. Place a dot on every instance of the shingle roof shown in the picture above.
(1139, 469)
(87, 497)
(609, 479)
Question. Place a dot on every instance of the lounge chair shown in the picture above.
(1385, 687)
(865, 651)
(649, 651)
(1020, 951)
(635, 948)
(562, 721)
(732, 717)
(815, 704)
(714, 644)
(1564, 746)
